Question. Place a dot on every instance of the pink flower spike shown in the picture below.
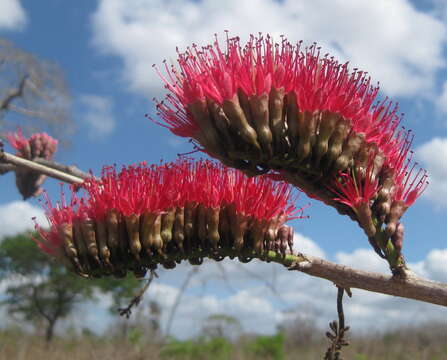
(141, 189)
(319, 83)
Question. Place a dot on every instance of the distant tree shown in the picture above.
(33, 93)
(300, 326)
(41, 291)
(39, 288)
(222, 326)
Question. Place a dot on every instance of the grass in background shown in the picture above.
(425, 343)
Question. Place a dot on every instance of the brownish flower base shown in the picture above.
(139, 243)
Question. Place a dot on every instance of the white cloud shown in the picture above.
(97, 114)
(12, 15)
(363, 259)
(441, 100)
(433, 154)
(434, 266)
(305, 245)
(15, 217)
(398, 45)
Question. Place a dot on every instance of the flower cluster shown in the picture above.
(38, 145)
(145, 215)
(303, 117)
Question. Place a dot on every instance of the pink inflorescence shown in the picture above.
(139, 190)
(37, 145)
(318, 82)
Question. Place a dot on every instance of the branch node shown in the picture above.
(127, 311)
(338, 330)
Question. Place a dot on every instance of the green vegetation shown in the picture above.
(406, 344)
(201, 349)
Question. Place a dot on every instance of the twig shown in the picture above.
(225, 277)
(269, 284)
(13, 93)
(31, 165)
(178, 299)
(127, 311)
(341, 315)
(337, 336)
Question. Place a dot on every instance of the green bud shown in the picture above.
(167, 224)
(132, 225)
(277, 121)
(307, 128)
(328, 121)
(221, 123)
(101, 237)
(292, 120)
(212, 220)
(259, 106)
(239, 122)
(179, 227)
(209, 137)
(397, 210)
(336, 142)
(350, 149)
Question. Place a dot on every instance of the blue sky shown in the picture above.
(107, 48)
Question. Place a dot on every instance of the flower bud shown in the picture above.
(281, 143)
(259, 107)
(398, 237)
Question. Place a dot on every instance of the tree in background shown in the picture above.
(222, 326)
(33, 93)
(40, 290)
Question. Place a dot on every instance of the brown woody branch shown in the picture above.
(410, 287)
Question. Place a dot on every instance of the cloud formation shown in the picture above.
(398, 45)
(433, 155)
(16, 217)
(97, 114)
(12, 15)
